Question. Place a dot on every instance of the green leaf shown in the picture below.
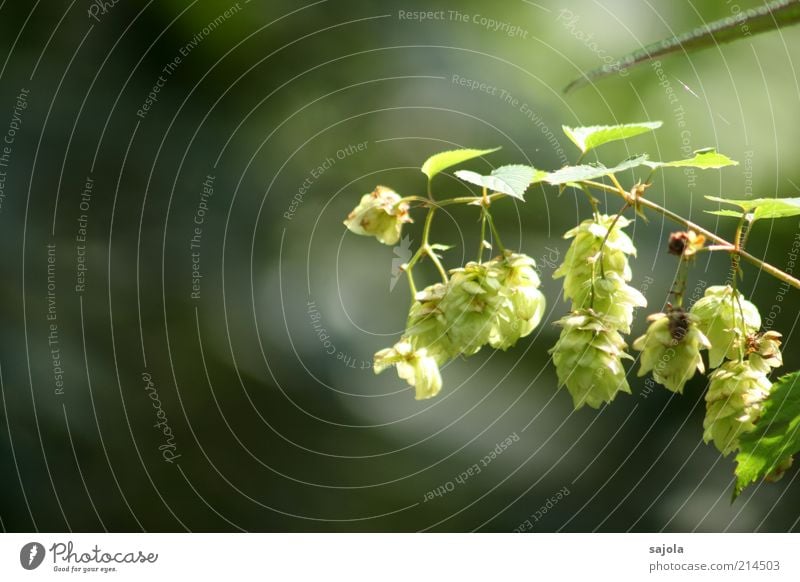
(776, 436)
(743, 24)
(763, 207)
(704, 159)
(512, 180)
(591, 171)
(731, 213)
(441, 161)
(587, 138)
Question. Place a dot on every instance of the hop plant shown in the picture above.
(733, 403)
(671, 348)
(588, 359)
(380, 214)
(497, 302)
(414, 366)
(596, 270)
(726, 318)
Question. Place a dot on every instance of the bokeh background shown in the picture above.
(276, 425)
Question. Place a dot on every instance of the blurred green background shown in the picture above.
(273, 426)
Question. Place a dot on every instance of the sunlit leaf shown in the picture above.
(705, 159)
(761, 208)
(569, 174)
(443, 160)
(731, 213)
(776, 436)
(512, 180)
(587, 138)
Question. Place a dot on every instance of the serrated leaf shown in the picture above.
(569, 174)
(587, 138)
(512, 180)
(705, 159)
(443, 160)
(763, 207)
(776, 436)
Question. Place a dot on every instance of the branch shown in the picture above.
(766, 267)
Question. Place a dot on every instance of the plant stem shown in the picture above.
(766, 267)
(450, 201)
(680, 281)
(425, 249)
(592, 201)
(608, 233)
(495, 234)
(483, 235)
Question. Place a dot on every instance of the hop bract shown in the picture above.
(380, 214)
(764, 351)
(671, 349)
(588, 359)
(734, 402)
(726, 318)
(414, 366)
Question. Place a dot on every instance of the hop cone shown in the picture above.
(578, 264)
(521, 306)
(427, 326)
(379, 214)
(496, 302)
(471, 304)
(599, 280)
(416, 367)
(671, 349)
(733, 403)
(588, 359)
(719, 316)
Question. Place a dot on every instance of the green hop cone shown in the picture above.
(671, 349)
(416, 367)
(764, 351)
(733, 403)
(470, 305)
(427, 326)
(579, 266)
(603, 287)
(588, 359)
(522, 305)
(614, 298)
(380, 214)
(722, 324)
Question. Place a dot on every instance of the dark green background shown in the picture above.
(273, 432)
